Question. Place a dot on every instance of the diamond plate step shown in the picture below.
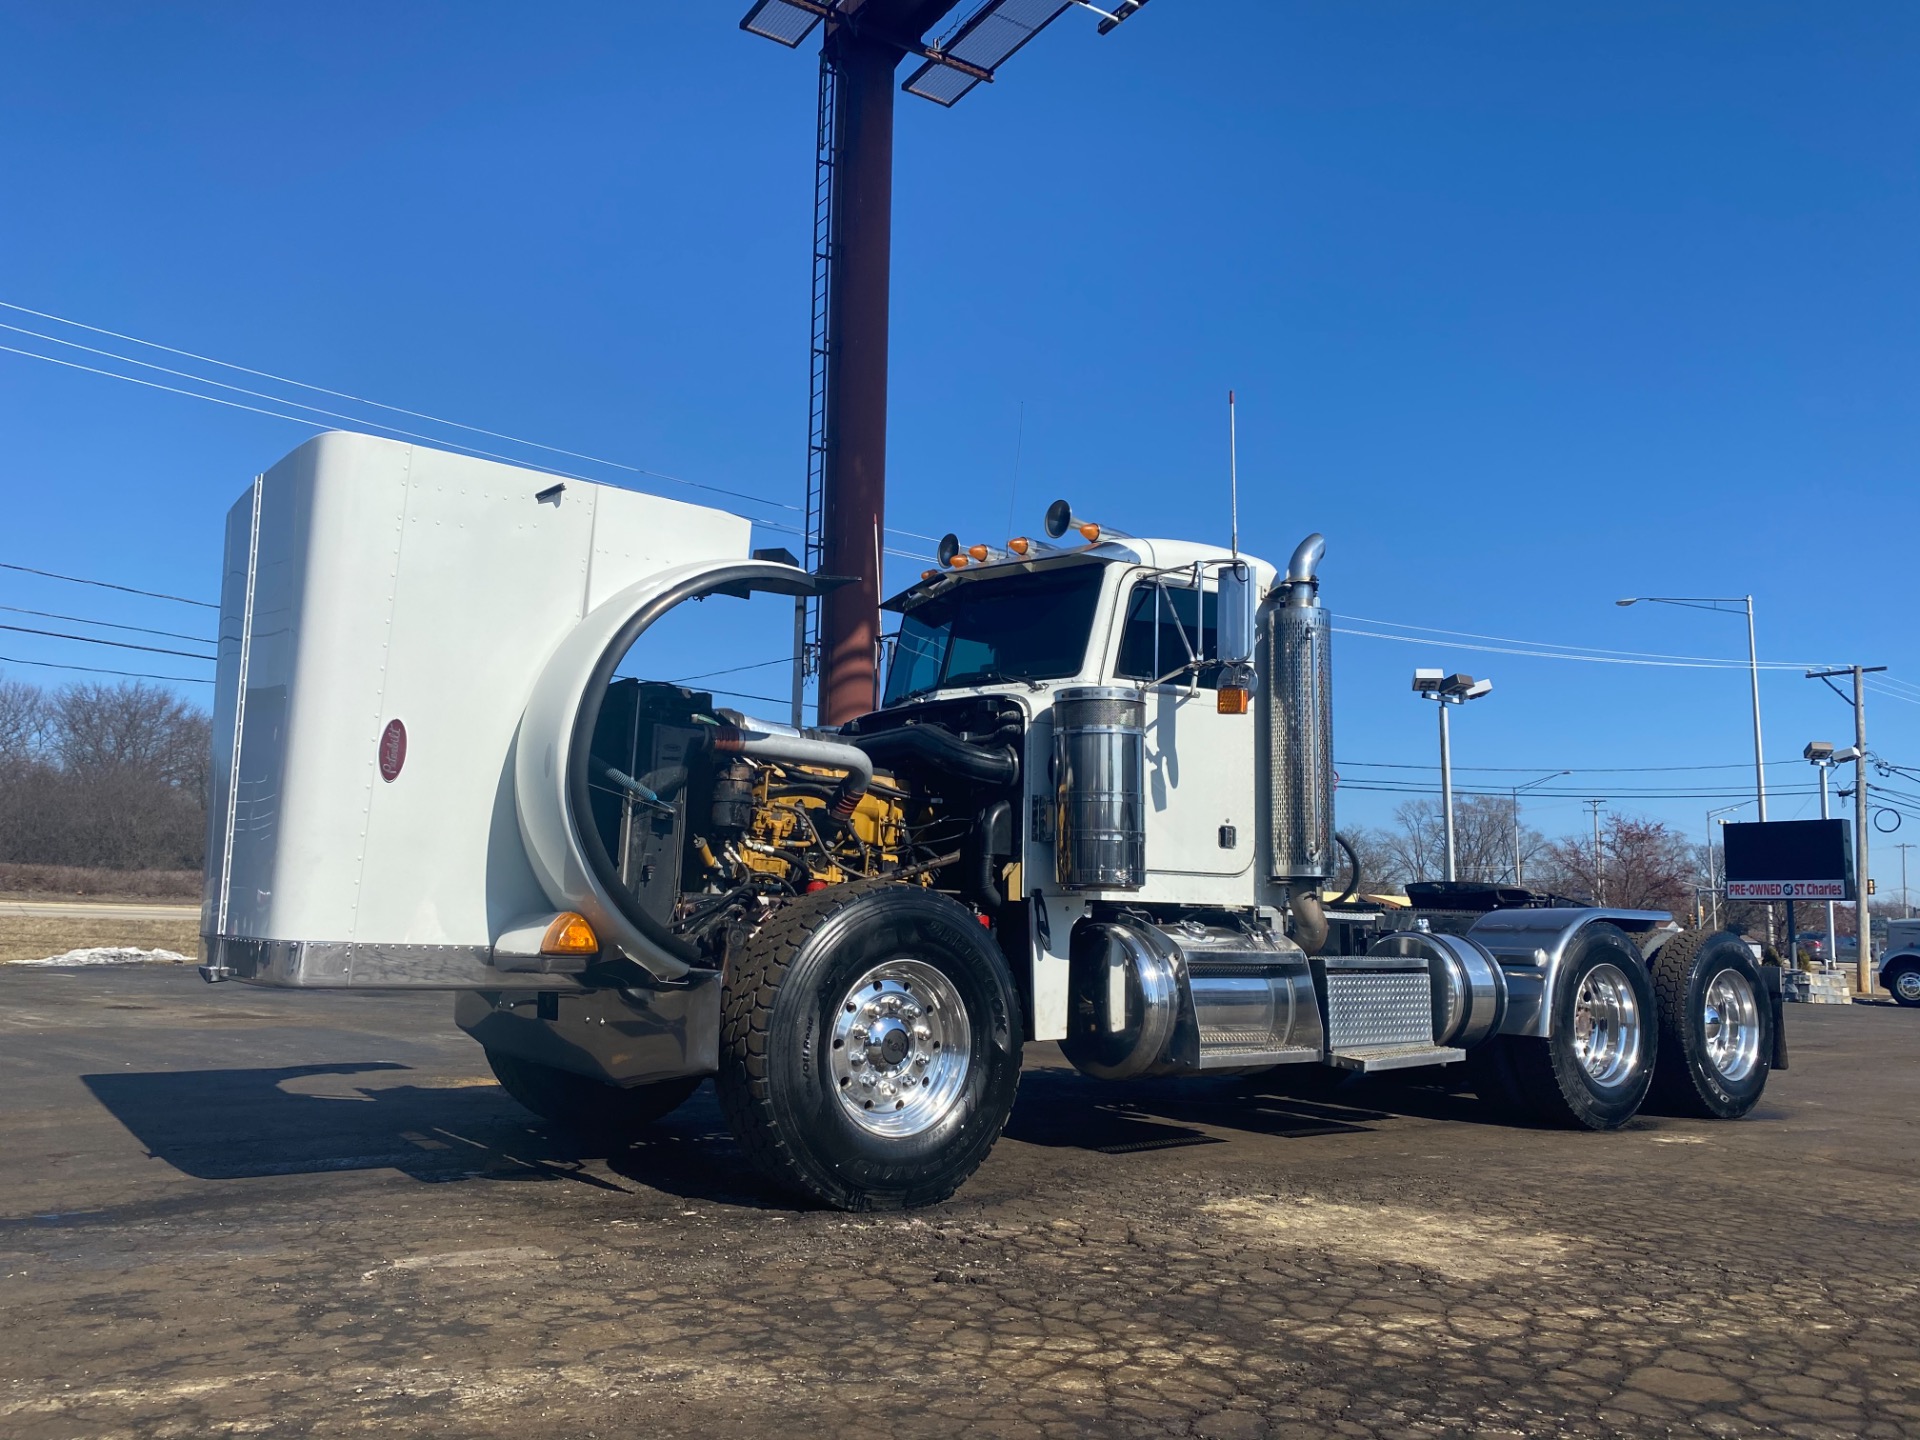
(1394, 1057)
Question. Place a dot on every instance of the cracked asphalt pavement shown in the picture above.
(233, 1211)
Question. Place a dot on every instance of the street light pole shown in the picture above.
(1759, 761)
(1516, 816)
(1711, 602)
(1862, 872)
(1713, 884)
(1448, 690)
(1446, 789)
(1820, 753)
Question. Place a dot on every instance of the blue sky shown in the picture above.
(1528, 307)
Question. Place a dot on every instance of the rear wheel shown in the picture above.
(1904, 981)
(869, 1046)
(1594, 1069)
(1716, 1026)
(611, 1112)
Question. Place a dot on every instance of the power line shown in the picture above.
(107, 624)
(1713, 661)
(341, 395)
(1411, 787)
(116, 644)
(107, 585)
(96, 670)
(1675, 664)
(338, 394)
(1562, 769)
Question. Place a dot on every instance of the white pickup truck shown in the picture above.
(1900, 961)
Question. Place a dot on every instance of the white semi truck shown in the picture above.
(1095, 806)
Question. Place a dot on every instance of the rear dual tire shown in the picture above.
(1593, 1071)
(1716, 1026)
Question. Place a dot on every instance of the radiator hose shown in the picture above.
(933, 747)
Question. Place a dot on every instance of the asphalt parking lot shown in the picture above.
(235, 1211)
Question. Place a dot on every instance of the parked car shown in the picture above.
(1900, 961)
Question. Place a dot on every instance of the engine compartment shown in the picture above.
(702, 838)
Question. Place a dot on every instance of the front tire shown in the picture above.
(1716, 1026)
(592, 1107)
(869, 1046)
(1593, 1071)
(1904, 981)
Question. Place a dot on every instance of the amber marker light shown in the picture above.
(958, 562)
(1232, 700)
(979, 552)
(569, 934)
(1019, 545)
(1089, 531)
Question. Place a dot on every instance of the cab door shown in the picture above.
(1200, 763)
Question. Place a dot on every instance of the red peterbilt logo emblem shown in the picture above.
(393, 750)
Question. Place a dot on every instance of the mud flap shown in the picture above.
(1776, 999)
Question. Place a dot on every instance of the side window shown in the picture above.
(1151, 644)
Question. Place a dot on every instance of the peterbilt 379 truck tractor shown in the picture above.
(1094, 806)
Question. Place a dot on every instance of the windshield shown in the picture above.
(1027, 627)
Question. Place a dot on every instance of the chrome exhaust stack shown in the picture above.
(1299, 689)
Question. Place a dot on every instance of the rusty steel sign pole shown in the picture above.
(862, 45)
(853, 492)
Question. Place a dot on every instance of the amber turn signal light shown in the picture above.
(569, 934)
(1232, 700)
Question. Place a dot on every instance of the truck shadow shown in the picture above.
(313, 1119)
(1059, 1107)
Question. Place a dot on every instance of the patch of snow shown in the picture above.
(110, 955)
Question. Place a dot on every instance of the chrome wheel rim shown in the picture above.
(1907, 985)
(1731, 1018)
(901, 1048)
(1606, 1025)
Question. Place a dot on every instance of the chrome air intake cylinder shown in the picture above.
(1099, 776)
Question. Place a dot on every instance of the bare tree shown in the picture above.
(1641, 865)
(23, 722)
(111, 776)
(1483, 828)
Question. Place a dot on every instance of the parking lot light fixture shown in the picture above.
(1448, 690)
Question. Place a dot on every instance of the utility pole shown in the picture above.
(1861, 872)
(1599, 865)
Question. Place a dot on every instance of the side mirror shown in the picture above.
(1237, 605)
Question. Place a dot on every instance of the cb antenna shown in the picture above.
(1233, 474)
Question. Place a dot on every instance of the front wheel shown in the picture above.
(869, 1046)
(1716, 1026)
(1904, 981)
(1593, 1070)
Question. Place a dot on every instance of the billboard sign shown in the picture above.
(1790, 860)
